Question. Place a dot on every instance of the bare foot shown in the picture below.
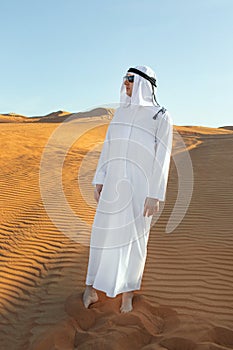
(127, 302)
(89, 296)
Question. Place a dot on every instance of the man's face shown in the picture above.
(128, 86)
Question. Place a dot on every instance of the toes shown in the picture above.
(88, 300)
(126, 308)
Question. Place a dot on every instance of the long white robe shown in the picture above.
(133, 165)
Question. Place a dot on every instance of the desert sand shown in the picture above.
(186, 299)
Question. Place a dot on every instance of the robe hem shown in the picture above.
(123, 291)
(113, 295)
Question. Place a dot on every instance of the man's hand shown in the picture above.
(97, 192)
(151, 206)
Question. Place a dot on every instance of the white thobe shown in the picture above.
(133, 165)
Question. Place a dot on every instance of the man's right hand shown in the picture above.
(97, 192)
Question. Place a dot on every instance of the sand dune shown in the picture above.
(58, 116)
(12, 118)
(228, 127)
(186, 299)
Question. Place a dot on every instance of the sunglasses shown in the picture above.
(129, 78)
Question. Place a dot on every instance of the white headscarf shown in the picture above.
(142, 94)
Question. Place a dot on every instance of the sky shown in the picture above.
(71, 55)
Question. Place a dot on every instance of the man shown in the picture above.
(130, 180)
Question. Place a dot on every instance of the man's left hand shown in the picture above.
(151, 206)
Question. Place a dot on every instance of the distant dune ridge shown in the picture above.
(56, 117)
(12, 118)
(229, 127)
(60, 116)
(186, 299)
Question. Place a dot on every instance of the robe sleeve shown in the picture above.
(102, 163)
(163, 146)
